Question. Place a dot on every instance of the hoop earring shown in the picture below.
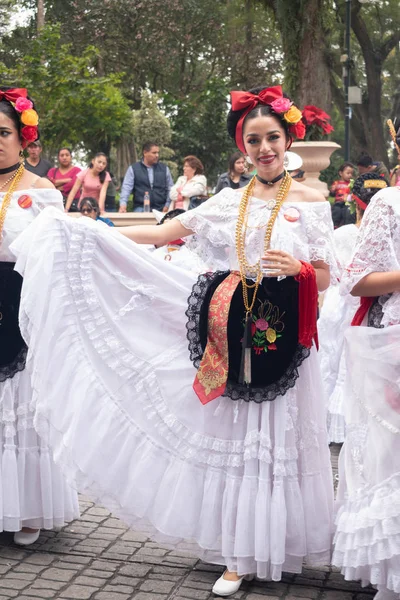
(285, 161)
(248, 160)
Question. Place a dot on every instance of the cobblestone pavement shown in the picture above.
(98, 558)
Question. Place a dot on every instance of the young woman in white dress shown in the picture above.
(367, 540)
(338, 311)
(33, 494)
(221, 449)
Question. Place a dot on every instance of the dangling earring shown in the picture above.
(285, 161)
(21, 157)
(248, 160)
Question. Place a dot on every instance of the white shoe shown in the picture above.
(223, 587)
(25, 539)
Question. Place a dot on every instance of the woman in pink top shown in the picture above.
(93, 181)
(64, 176)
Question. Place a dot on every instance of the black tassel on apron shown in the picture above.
(245, 365)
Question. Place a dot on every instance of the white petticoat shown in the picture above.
(367, 540)
(336, 315)
(245, 485)
(33, 492)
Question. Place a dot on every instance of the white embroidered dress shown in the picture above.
(33, 492)
(336, 315)
(367, 541)
(243, 484)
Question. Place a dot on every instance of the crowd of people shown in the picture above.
(199, 412)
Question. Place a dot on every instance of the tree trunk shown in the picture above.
(304, 43)
(40, 15)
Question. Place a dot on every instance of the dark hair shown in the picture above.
(232, 159)
(147, 146)
(364, 160)
(195, 163)
(92, 202)
(64, 148)
(261, 110)
(366, 193)
(171, 215)
(102, 174)
(345, 165)
(7, 109)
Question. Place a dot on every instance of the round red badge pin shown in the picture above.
(292, 214)
(25, 201)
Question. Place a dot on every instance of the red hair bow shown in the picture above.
(13, 94)
(248, 101)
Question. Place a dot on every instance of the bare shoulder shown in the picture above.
(43, 183)
(301, 193)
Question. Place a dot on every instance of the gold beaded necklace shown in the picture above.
(241, 227)
(8, 195)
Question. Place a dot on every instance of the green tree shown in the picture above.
(75, 105)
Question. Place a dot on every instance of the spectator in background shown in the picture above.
(94, 182)
(147, 175)
(236, 176)
(365, 164)
(340, 191)
(89, 208)
(35, 163)
(112, 189)
(64, 176)
(192, 184)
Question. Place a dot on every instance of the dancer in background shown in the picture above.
(338, 311)
(220, 449)
(33, 493)
(367, 540)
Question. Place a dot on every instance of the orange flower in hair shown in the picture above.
(30, 117)
(293, 115)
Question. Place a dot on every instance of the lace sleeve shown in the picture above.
(211, 221)
(319, 228)
(378, 243)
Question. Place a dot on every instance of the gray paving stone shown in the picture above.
(40, 559)
(39, 593)
(336, 595)
(58, 574)
(193, 594)
(111, 596)
(78, 592)
(139, 570)
(13, 583)
(158, 587)
(145, 596)
(120, 589)
(259, 597)
(304, 592)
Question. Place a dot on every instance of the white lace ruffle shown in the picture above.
(367, 538)
(32, 490)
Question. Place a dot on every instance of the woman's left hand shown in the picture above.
(279, 264)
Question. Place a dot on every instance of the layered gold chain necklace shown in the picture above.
(8, 196)
(255, 271)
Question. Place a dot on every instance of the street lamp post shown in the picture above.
(347, 72)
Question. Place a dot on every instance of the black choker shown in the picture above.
(265, 182)
(9, 169)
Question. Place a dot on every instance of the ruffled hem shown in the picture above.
(33, 492)
(367, 539)
(243, 498)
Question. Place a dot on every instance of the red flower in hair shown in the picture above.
(298, 130)
(29, 134)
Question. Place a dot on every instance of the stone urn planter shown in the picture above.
(316, 158)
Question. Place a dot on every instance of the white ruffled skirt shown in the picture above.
(336, 315)
(367, 540)
(33, 492)
(241, 484)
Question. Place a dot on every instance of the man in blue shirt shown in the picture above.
(147, 175)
